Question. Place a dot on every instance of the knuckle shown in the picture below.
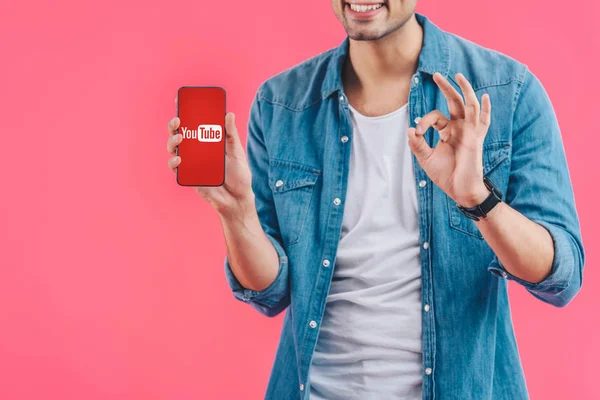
(473, 106)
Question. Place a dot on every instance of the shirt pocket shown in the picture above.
(292, 185)
(496, 166)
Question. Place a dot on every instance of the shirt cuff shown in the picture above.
(272, 294)
(563, 264)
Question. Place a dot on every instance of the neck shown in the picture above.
(393, 58)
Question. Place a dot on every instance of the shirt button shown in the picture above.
(426, 307)
(301, 387)
(341, 98)
(337, 201)
(416, 79)
(344, 139)
(504, 274)
(313, 324)
(326, 263)
(422, 183)
(426, 245)
(279, 183)
(428, 371)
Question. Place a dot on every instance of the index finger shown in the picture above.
(472, 109)
(456, 106)
(173, 125)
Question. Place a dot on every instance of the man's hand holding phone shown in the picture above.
(236, 191)
(252, 257)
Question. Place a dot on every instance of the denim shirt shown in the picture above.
(298, 147)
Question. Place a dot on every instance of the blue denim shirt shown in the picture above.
(298, 146)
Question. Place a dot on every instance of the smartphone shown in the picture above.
(201, 111)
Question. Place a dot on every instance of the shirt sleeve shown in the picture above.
(540, 188)
(276, 297)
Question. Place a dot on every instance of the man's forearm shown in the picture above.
(524, 247)
(252, 257)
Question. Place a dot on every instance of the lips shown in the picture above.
(365, 3)
(364, 10)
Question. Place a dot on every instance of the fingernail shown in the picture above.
(417, 120)
(419, 129)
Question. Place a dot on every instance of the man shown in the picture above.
(346, 212)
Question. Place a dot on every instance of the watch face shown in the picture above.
(497, 192)
(490, 185)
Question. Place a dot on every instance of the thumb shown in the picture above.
(233, 143)
(231, 133)
(419, 146)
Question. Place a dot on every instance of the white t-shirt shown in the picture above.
(369, 344)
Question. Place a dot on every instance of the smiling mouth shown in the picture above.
(364, 7)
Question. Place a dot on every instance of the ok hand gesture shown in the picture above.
(455, 163)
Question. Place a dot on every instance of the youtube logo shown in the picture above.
(204, 133)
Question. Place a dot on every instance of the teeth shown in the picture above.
(364, 8)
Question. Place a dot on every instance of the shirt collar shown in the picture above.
(434, 56)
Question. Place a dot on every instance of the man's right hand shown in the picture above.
(236, 191)
(253, 258)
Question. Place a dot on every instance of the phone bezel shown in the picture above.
(224, 139)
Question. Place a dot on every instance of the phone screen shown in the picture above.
(201, 111)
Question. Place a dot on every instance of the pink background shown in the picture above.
(107, 293)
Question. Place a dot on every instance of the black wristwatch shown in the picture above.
(481, 210)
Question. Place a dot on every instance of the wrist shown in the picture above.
(238, 208)
(476, 198)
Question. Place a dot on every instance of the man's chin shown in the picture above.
(363, 38)
(363, 34)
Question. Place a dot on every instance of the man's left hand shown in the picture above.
(455, 163)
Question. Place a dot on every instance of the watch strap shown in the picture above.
(481, 210)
